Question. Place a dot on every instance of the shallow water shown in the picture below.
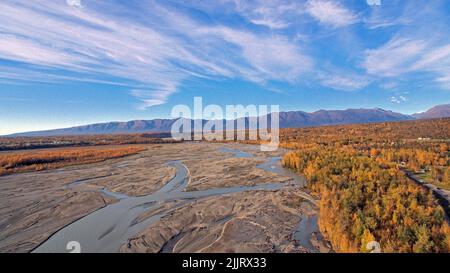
(304, 230)
(274, 165)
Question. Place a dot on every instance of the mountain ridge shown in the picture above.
(288, 119)
(437, 111)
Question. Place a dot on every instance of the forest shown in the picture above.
(13, 162)
(42, 142)
(359, 173)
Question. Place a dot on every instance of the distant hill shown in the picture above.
(287, 119)
(333, 117)
(439, 111)
(115, 127)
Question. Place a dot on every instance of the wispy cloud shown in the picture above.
(344, 81)
(436, 61)
(90, 42)
(267, 58)
(419, 43)
(380, 22)
(271, 23)
(154, 47)
(331, 13)
(272, 14)
(74, 3)
(153, 97)
(393, 58)
(398, 100)
(400, 56)
(387, 16)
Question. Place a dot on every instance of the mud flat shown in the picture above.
(262, 221)
(35, 205)
(187, 197)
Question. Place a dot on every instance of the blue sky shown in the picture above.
(73, 62)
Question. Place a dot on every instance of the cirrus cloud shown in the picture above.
(158, 54)
(331, 13)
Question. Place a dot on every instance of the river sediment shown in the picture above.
(213, 198)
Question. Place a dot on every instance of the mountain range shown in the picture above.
(287, 120)
(439, 111)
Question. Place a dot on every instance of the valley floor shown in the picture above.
(184, 197)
